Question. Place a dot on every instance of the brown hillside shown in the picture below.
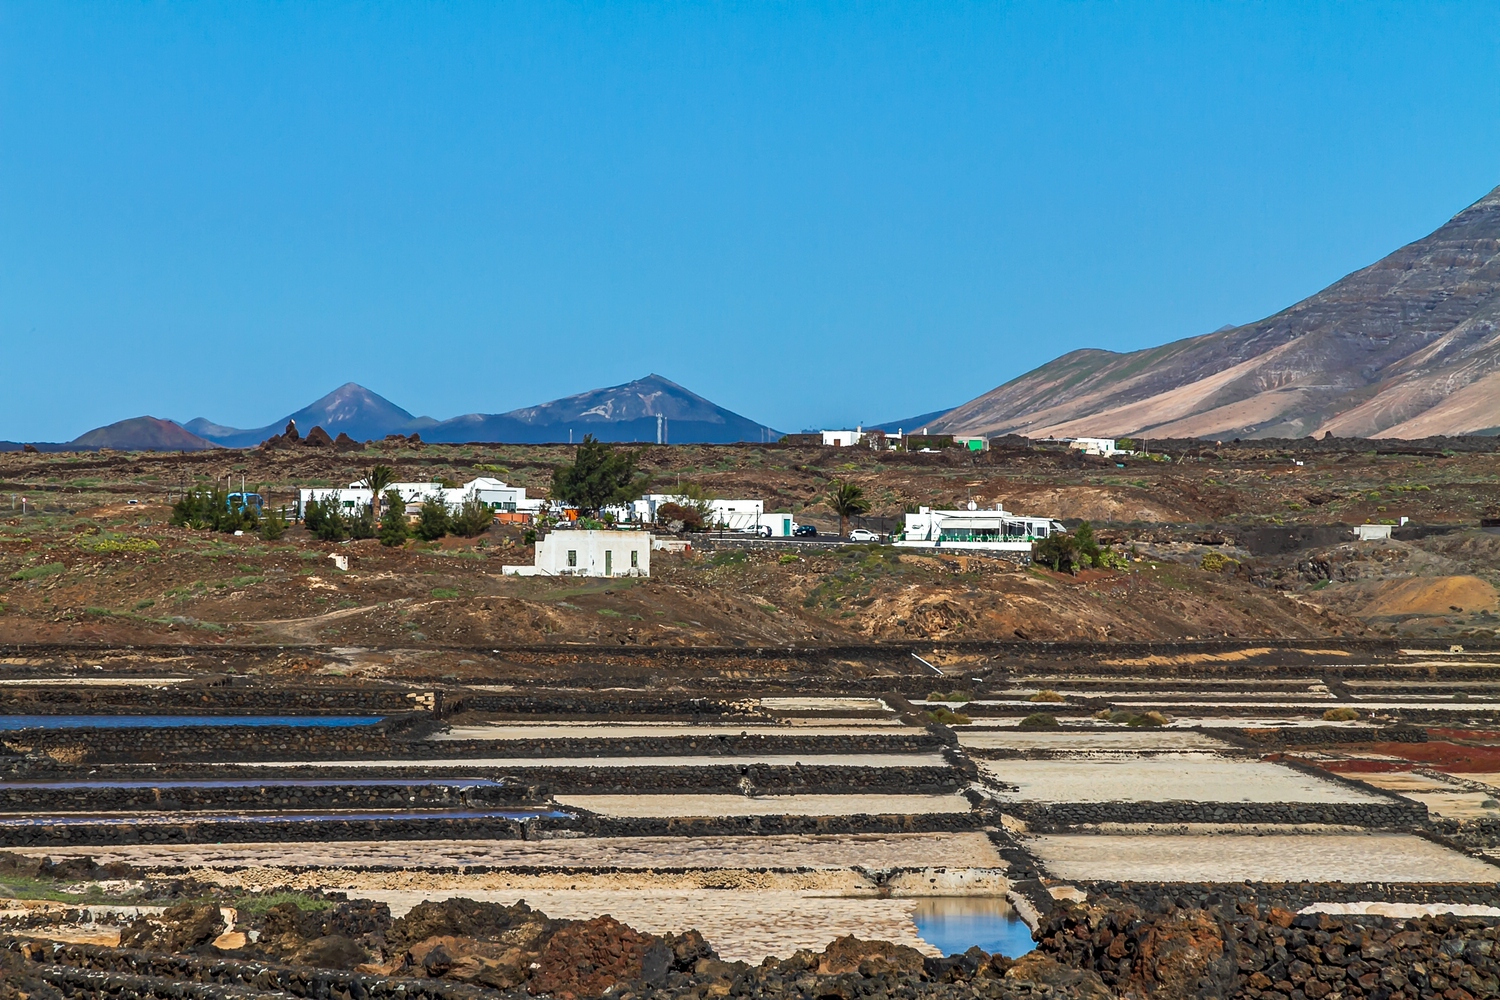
(1406, 347)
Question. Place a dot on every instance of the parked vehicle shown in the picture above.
(863, 535)
(762, 531)
(804, 531)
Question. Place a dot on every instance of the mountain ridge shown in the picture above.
(1408, 347)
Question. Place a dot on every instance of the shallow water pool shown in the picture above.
(954, 924)
(9, 722)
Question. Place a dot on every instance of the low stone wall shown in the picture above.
(269, 796)
(715, 826)
(1052, 816)
(205, 699)
(1159, 896)
(186, 830)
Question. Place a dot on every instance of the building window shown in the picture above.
(572, 558)
(635, 559)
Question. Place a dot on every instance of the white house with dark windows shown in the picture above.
(735, 515)
(589, 553)
(996, 530)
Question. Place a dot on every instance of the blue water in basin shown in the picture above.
(954, 924)
(179, 819)
(175, 721)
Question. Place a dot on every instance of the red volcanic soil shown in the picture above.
(1439, 755)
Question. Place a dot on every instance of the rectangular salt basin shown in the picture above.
(654, 730)
(1442, 799)
(1165, 778)
(1086, 739)
(824, 705)
(765, 805)
(1356, 857)
(781, 851)
(707, 760)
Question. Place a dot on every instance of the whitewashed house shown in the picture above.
(1095, 446)
(734, 515)
(843, 439)
(589, 553)
(996, 530)
(495, 494)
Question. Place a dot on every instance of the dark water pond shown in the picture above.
(954, 924)
(175, 721)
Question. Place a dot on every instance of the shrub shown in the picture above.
(444, 593)
(1217, 562)
(529, 538)
(209, 510)
(1057, 552)
(117, 545)
(325, 520)
(1147, 719)
(433, 522)
(679, 517)
(1088, 548)
(362, 525)
(473, 518)
(273, 524)
(1039, 720)
(947, 717)
(38, 572)
(1341, 714)
(394, 530)
(788, 558)
(1047, 695)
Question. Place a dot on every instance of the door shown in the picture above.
(609, 562)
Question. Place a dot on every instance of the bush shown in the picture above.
(1217, 562)
(788, 558)
(473, 518)
(1039, 720)
(433, 522)
(677, 517)
(1341, 714)
(37, 572)
(1088, 548)
(394, 530)
(1047, 694)
(947, 717)
(325, 520)
(208, 510)
(952, 697)
(362, 525)
(273, 524)
(117, 545)
(1148, 719)
(1057, 552)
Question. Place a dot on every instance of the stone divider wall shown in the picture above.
(204, 699)
(271, 743)
(270, 796)
(190, 830)
(1054, 816)
(1291, 895)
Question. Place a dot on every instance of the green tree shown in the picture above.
(473, 518)
(210, 510)
(376, 481)
(273, 524)
(847, 500)
(599, 476)
(1058, 551)
(325, 520)
(393, 527)
(433, 521)
(1088, 548)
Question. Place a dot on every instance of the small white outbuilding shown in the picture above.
(589, 553)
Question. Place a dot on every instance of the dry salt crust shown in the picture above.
(647, 730)
(1372, 857)
(869, 851)
(1441, 799)
(1404, 911)
(765, 805)
(1171, 777)
(809, 760)
(824, 704)
(1090, 739)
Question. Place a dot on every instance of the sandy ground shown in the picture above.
(765, 805)
(1440, 798)
(870, 851)
(638, 730)
(845, 760)
(1101, 739)
(1373, 857)
(1164, 778)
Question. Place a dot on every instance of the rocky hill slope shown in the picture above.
(1407, 347)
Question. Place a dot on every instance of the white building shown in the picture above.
(495, 494)
(735, 515)
(1372, 532)
(1095, 446)
(995, 530)
(843, 439)
(589, 553)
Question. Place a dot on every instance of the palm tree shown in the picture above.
(376, 481)
(847, 500)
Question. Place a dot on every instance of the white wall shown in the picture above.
(589, 553)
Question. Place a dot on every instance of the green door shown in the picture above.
(609, 562)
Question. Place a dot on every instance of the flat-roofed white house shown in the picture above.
(494, 493)
(996, 530)
(843, 439)
(735, 515)
(1095, 446)
(589, 553)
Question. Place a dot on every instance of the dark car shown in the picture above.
(804, 531)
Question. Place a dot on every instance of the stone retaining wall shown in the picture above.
(1053, 816)
(270, 796)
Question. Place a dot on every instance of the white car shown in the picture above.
(863, 535)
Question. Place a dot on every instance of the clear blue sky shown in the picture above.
(812, 214)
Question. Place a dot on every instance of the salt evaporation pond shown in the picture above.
(954, 924)
(10, 722)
